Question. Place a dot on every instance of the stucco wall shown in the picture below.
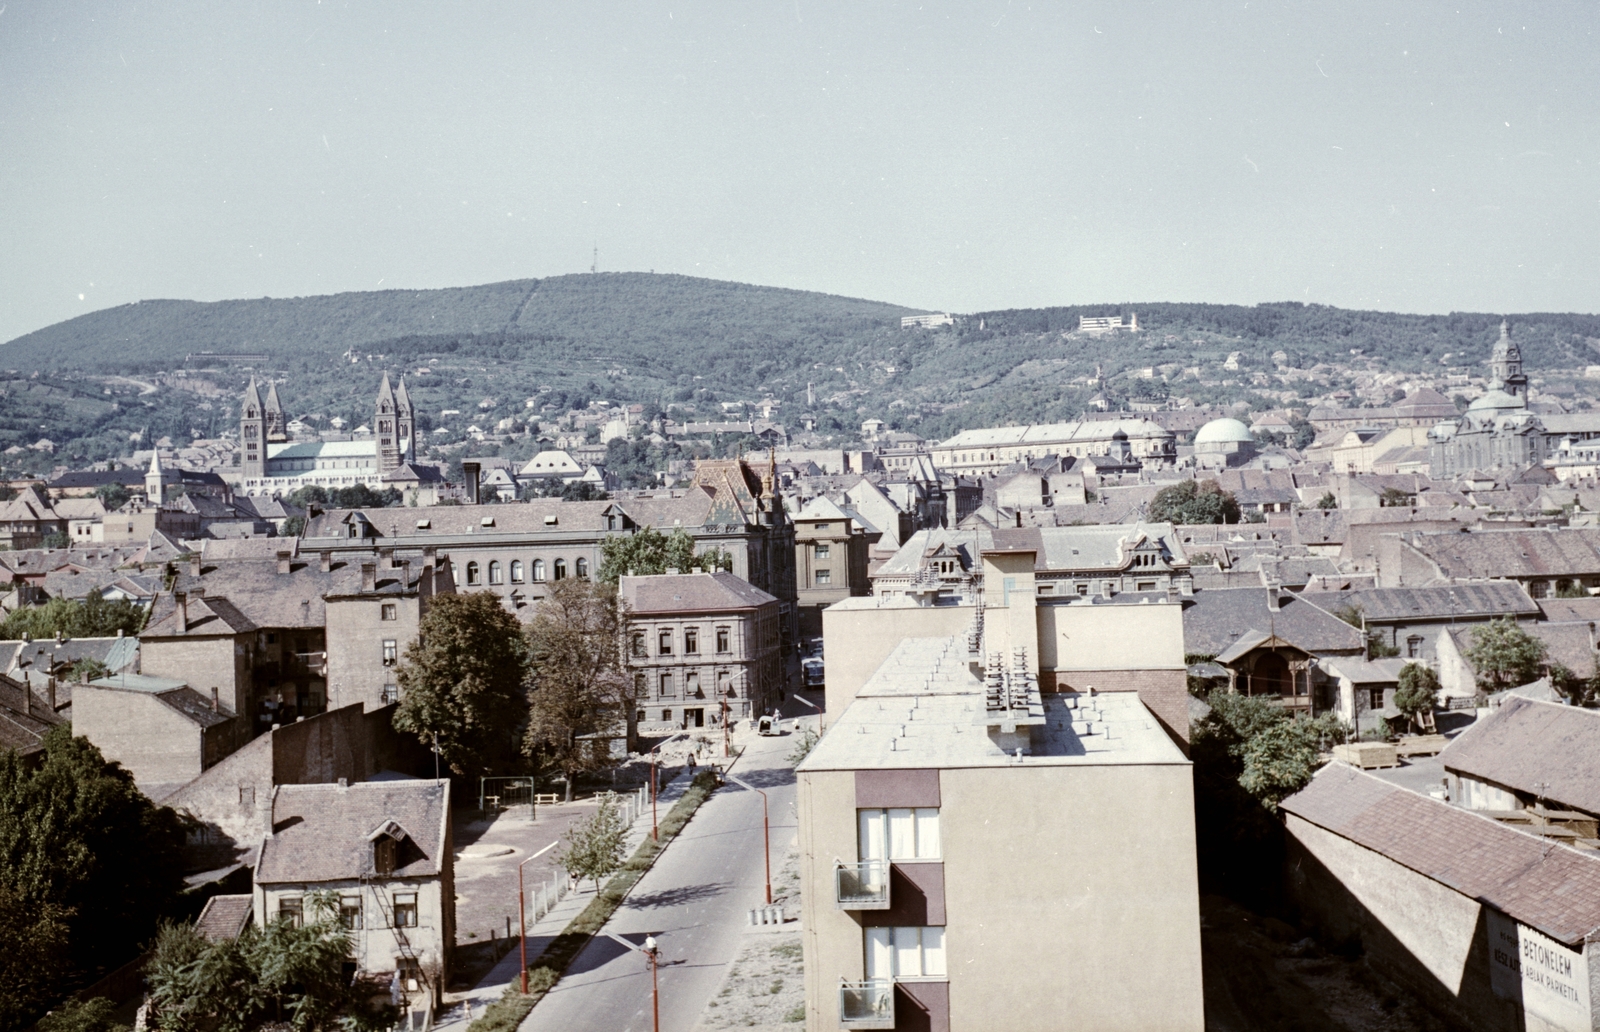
(1076, 636)
(857, 638)
(158, 745)
(356, 632)
(203, 663)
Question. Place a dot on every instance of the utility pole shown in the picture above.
(766, 829)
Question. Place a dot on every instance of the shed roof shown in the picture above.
(1541, 748)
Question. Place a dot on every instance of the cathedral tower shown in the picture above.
(252, 434)
(1505, 366)
(405, 424)
(273, 415)
(385, 430)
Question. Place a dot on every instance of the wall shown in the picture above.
(859, 635)
(1071, 897)
(356, 632)
(157, 744)
(221, 662)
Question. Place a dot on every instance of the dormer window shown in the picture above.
(383, 852)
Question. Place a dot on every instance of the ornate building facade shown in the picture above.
(272, 465)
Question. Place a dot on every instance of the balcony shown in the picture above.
(868, 1004)
(861, 886)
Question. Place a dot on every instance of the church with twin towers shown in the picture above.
(272, 465)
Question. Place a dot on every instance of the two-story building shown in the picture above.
(701, 645)
(830, 559)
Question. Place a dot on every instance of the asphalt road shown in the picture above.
(695, 901)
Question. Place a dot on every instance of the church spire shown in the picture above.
(1505, 365)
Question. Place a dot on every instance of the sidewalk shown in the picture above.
(453, 1014)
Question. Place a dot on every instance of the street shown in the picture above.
(695, 901)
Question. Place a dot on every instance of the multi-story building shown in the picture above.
(831, 550)
(701, 645)
(383, 848)
(991, 450)
(270, 464)
(959, 799)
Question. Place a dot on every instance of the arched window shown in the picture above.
(516, 571)
(472, 572)
(494, 571)
(581, 568)
(561, 569)
(538, 569)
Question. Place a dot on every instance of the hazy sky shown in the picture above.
(1409, 156)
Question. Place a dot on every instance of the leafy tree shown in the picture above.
(1194, 501)
(1279, 760)
(1302, 434)
(294, 526)
(1505, 655)
(1327, 501)
(596, 845)
(87, 866)
(1570, 589)
(579, 683)
(1418, 692)
(461, 682)
(94, 617)
(582, 491)
(96, 1015)
(648, 551)
(113, 496)
(55, 541)
(1394, 497)
(1578, 691)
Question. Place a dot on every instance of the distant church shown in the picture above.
(271, 464)
(1498, 431)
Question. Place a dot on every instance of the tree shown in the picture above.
(94, 617)
(1417, 693)
(1394, 497)
(87, 866)
(461, 683)
(56, 540)
(1279, 760)
(1194, 501)
(1327, 501)
(1571, 589)
(648, 551)
(578, 679)
(596, 845)
(96, 1015)
(1505, 655)
(113, 496)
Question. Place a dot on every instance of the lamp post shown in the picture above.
(726, 751)
(654, 836)
(766, 829)
(652, 953)
(522, 914)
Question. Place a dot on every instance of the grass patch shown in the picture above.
(506, 1013)
(796, 1013)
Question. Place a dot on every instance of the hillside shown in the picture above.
(696, 343)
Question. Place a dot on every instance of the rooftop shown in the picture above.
(924, 707)
(323, 833)
(670, 593)
(1540, 748)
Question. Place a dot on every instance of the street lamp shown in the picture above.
(766, 829)
(522, 913)
(654, 836)
(652, 953)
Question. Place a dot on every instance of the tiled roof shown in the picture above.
(1513, 553)
(322, 833)
(1570, 610)
(224, 917)
(1551, 887)
(248, 594)
(194, 706)
(49, 654)
(1569, 644)
(1541, 748)
(1459, 601)
(1222, 616)
(667, 593)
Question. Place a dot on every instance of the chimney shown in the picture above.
(27, 697)
(283, 560)
(50, 689)
(405, 575)
(194, 565)
(369, 576)
(325, 561)
(429, 556)
(183, 611)
(213, 698)
(469, 473)
(386, 557)
(60, 636)
(119, 632)
(344, 783)
(1019, 517)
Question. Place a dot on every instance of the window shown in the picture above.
(292, 909)
(538, 570)
(391, 693)
(516, 571)
(473, 576)
(822, 526)
(1539, 589)
(824, 576)
(581, 568)
(666, 715)
(822, 550)
(1145, 585)
(405, 910)
(722, 639)
(1377, 698)
(247, 795)
(639, 648)
(905, 952)
(1047, 589)
(560, 570)
(1414, 647)
(691, 684)
(691, 641)
(668, 690)
(350, 912)
(390, 652)
(664, 643)
(389, 612)
(494, 571)
(898, 834)
(725, 683)
(1083, 589)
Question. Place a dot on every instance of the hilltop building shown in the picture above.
(271, 464)
(991, 450)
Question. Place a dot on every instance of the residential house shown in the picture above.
(160, 730)
(1539, 759)
(1543, 562)
(1412, 620)
(1269, 641)
(29, 521)
(383, 848)
(831, 551)
(702, 646)
(1571, 645)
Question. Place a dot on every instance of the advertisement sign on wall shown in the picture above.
(1550, 980)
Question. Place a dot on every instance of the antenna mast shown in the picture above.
(594, 266)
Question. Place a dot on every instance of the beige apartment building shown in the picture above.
(983, 847)
(831, 545)
(697, 642)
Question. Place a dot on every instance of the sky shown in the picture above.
(1416, 157)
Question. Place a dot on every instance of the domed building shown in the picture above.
(1222, 443)
(1498, 430)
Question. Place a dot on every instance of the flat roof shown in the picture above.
(924, 707)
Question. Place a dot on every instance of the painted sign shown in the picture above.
(1550, 980)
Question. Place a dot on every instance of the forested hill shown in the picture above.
(585, 310)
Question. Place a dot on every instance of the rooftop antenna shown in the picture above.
(594, 266)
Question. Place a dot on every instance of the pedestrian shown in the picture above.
(691, 765)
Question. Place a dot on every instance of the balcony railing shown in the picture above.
(862, 886)
(868, 1004)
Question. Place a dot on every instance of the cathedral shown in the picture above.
(1498, 430)
(272, 465)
